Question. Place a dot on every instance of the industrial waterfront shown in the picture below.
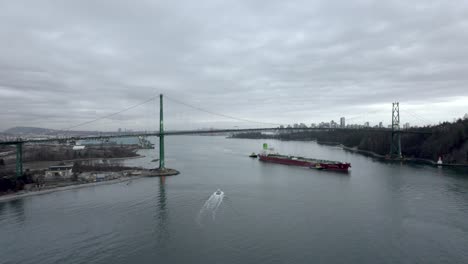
(377, 213)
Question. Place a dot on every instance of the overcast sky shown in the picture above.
(67, 62)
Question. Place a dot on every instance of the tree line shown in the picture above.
(446, 140)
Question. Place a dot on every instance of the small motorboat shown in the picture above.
(253, 155)
(218, 192)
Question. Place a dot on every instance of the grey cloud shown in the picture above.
(66, 62)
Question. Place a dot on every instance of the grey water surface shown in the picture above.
(378, 213)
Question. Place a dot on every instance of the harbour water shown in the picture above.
(377, 213)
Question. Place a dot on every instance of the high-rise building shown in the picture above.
(342, 122)
(366, 124)
(406, 125)
(380, 125)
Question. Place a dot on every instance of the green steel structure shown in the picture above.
(161, 133)
(395, 147)
(395, 151)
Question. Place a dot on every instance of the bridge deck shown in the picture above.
(197, 132)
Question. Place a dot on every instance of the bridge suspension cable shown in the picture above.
(219, 114)
(362, 115)
(419, 118)
(110, 115)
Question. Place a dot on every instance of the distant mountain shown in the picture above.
(22, 131)
(45, 131)
(29, 130)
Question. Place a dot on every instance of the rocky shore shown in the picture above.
(64, 187)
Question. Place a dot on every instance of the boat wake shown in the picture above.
(210, 207)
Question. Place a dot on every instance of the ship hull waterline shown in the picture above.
(342, 167)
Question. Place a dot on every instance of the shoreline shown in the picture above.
(86, 159)
(412, 160)
(73, 160)
(373, 154)
(76, 185)
(23, 194)
(44, 164)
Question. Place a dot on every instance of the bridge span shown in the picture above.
(395, 130)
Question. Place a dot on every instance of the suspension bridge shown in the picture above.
(395, 149)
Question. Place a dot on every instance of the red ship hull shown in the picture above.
(303, 162)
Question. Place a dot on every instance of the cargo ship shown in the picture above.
(304, 162)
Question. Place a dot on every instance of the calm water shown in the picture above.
(378, 213)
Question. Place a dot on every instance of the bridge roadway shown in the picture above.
(64, 139)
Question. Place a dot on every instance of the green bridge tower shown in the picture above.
(161, 133)
(395, 147)
(162, 171)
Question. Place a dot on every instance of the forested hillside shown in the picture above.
(448, 140)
